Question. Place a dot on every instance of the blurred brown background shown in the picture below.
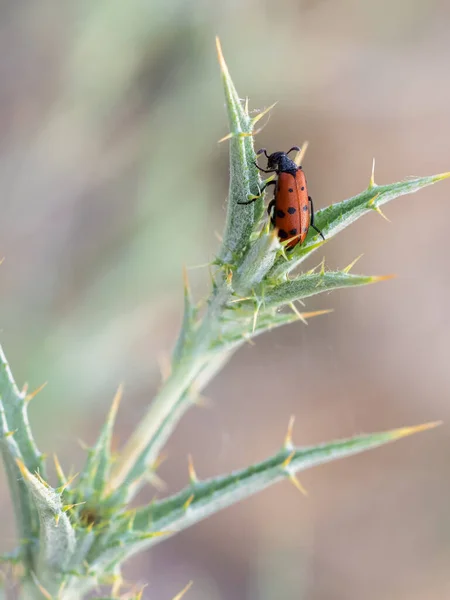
(111, 178)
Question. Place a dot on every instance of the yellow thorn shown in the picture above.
(372, 205)
(377, 278)
(301, 155)
(264, 112)
(441, 176)
(317, 313)
(188, 502)
(22, 468)
(246, 106)
(235, 134)
(1, 260)
(322, 268)
(62, 587)
(288, 439)
(192, 474)
(41, 480)
(372, 200)
(273, 235)
(186, 285)
(90, 527)
(70, 506)
(299, 314)
(68, 482)
(255, 316)
(283, 251)
(183, 591)
(222, 63)
(139, 594)
(57, 517)
(293, 479)
(372, 183)
(240, 299)
(159, 461)
(218, 236)
(229, 278)
(381, 213)
(287, 460)
(24, 389)
(40, 587)
(288, 241)
(405, 431)
(115, 403)
(83, 444)
(58, 468)
(10, 433)
(292, 476)
(352, 264)
(29, 397)
(117, 584)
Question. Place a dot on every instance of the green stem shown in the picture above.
(173, 400)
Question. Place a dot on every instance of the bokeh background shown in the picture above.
(111, 179)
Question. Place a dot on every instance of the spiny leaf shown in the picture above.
(336, 217)
(15, 408)
(56, 538)
(212, 495)
(24, 510)
(256, 263)
(239, 329)
(95, 474)
(315, 283)
(188, 318)
(128, 476)
(244, 178)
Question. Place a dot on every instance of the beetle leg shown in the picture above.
(270, 211)
(311, 224)
(249, 201)
(264, 170)
(265, 185)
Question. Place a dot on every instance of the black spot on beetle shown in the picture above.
(293, 232)
(282, 234)
(305, 230)
(303, 188)
(292, 210)
(305, 208)
(291, 190)
(280, 213)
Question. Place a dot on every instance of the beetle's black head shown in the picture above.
(279, 162)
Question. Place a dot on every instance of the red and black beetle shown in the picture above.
(291, 211)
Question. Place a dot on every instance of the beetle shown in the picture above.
(291, 210)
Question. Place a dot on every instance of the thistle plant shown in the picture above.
(75, 536)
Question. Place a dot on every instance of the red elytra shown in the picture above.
(291, 210)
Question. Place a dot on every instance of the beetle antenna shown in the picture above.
(299, 158)
(296, 148)
(262, 151)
